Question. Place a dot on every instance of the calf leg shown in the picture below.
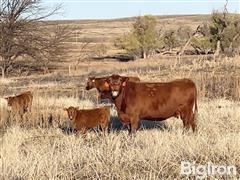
(129, 127)
(104, 127)
(82, 131)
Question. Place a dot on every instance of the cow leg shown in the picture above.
(134, 124)
(21, 112)
(192, 122)
(189, 120)
(29, 108)
(125, 120)
(185, 118)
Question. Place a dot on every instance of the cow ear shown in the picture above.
(65, 109)
(125, 81)
(108, 80)
(106, 84)
(6, 98)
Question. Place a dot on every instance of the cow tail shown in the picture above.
(195, 110)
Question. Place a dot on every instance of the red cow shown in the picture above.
(154, 101)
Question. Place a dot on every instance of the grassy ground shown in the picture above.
(32, 148)
(39, 153)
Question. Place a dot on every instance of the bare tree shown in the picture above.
(24, 33)
(53, 47)
(188, 42)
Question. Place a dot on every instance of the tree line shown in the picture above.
(221, 35)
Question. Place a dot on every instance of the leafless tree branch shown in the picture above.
(23, 32)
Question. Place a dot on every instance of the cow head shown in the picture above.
(116, 83)
(90, 83)
(72, 112)
(9, 100)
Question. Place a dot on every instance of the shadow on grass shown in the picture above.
(116, 126)
(118, 57)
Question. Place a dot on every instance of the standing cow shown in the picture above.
(20, 103)
(103, 87)
(100, 85)
(154, 101)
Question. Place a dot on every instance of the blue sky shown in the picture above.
(108, 9)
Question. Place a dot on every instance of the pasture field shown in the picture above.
(34, 149)
(41, 145)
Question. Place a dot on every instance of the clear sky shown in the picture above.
(108, 9)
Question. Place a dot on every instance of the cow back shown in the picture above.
(157, 100)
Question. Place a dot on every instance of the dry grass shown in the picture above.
(34, 149)
(38, 153)
(5, 81)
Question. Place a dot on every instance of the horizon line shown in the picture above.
(137, 1)
(129, 17)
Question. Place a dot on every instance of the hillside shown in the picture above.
(106, 31)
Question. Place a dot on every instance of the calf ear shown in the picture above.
(6, 98)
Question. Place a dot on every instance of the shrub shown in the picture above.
(142, 39)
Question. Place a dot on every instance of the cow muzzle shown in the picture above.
(114, 93)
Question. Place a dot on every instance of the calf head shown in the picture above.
(72, 112)
(10, 100)
(116, 84)
(91, 83)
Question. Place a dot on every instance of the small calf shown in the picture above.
(20, 103)
(85, 119)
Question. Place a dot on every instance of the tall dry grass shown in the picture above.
(38, 153)
(35, 147)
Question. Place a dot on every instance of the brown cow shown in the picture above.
(154, 101)
(89, 118)
(100, 85)
(103, 87)
(20, 103)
